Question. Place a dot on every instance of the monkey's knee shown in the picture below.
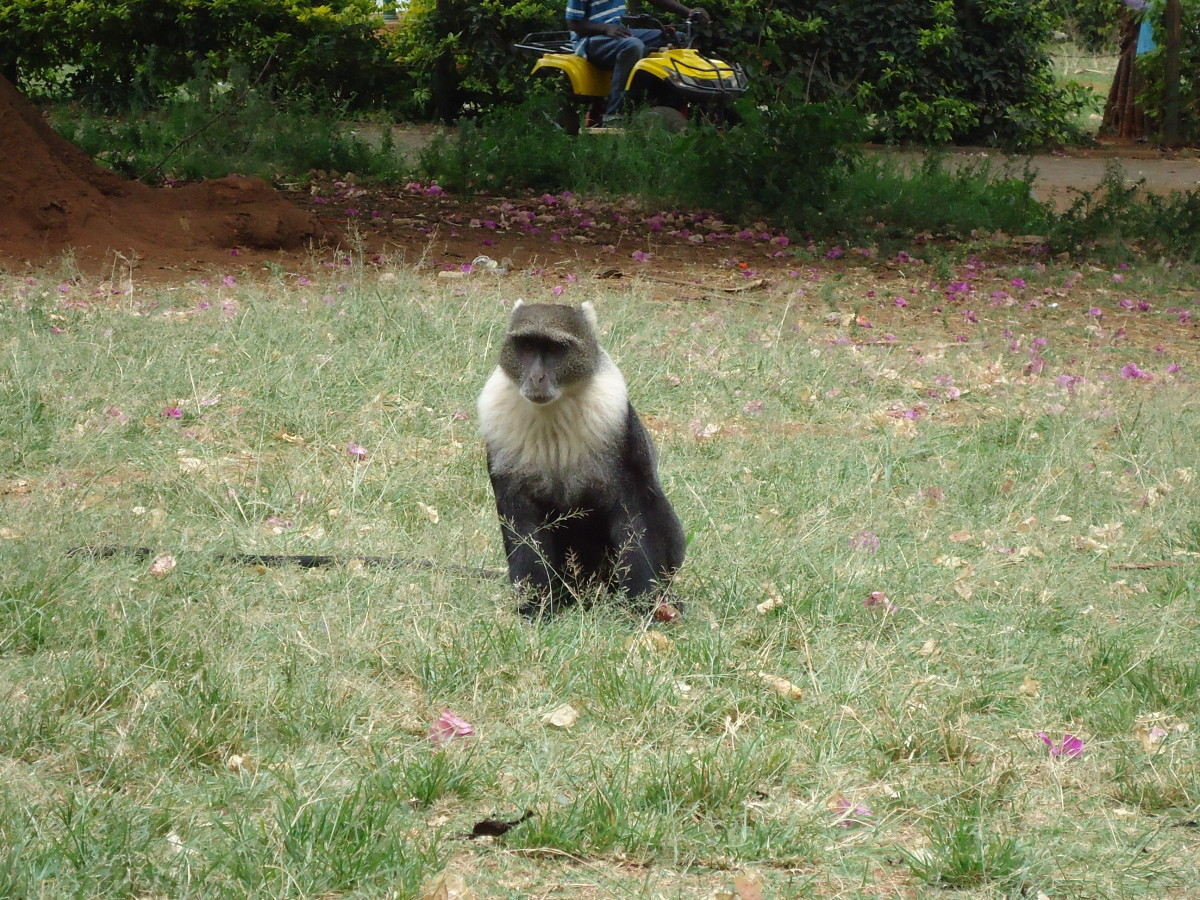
(539, 603)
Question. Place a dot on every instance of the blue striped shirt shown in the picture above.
(602, 12)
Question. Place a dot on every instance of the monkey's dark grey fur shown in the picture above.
(573, 469)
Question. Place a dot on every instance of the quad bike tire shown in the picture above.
(567, 112)
(666, 117)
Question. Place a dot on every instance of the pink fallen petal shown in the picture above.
(1071, 746)
(448, 727)
(850, 813)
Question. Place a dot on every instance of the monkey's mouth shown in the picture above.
(541, 399)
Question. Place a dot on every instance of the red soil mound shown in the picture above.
(53, 198)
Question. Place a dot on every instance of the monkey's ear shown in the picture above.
(589, 313)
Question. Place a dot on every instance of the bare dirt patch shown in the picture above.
(54, 200)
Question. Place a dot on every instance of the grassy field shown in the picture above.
(941, 595)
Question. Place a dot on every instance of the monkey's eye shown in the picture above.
(544, 347)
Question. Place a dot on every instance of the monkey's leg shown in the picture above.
(536, 554)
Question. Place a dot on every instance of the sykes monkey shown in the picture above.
(573, 469)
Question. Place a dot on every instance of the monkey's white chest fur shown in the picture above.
(563, 444)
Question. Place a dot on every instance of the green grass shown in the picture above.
(224, 731)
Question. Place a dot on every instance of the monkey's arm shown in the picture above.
(533, 556)
(647, 529)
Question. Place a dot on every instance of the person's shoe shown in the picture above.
(614, 121)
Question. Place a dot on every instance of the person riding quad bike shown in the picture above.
(599, 35)
(656, 67)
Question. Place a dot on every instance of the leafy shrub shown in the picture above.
(117, 54)
(1116, 222)
(882, 199)
(207, 130)
(974, 71)
(1093, 23)
(782, 163)
(458, 55)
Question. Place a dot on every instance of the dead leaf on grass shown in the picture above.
(447, 886)
(748, 886)
(781, 686)
(929, 649)
(1153, 728)
(774, 599)
(651, 641)
(564, 717)
(163, 565)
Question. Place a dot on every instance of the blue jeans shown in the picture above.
(621, 55)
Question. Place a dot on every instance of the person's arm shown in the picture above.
(686, 12)
(588, 28)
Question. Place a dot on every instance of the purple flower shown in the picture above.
(356, 450)
(172, 412)
(835, 253)
(850, 813)
(1132, 371)
(879, 600)
(864, 540)
(1070, 746)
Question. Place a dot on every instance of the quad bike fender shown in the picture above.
(586, 80)
(690, 75)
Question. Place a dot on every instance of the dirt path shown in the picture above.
(1062, 176)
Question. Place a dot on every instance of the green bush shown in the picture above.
(207, 129)
(972, 71)
(735, 172)
(951, 70)
(116, 54)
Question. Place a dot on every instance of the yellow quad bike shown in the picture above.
(673, 82)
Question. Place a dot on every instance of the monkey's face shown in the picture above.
(540, 370)
(548, 351)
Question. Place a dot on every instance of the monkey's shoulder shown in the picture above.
(586, 425)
